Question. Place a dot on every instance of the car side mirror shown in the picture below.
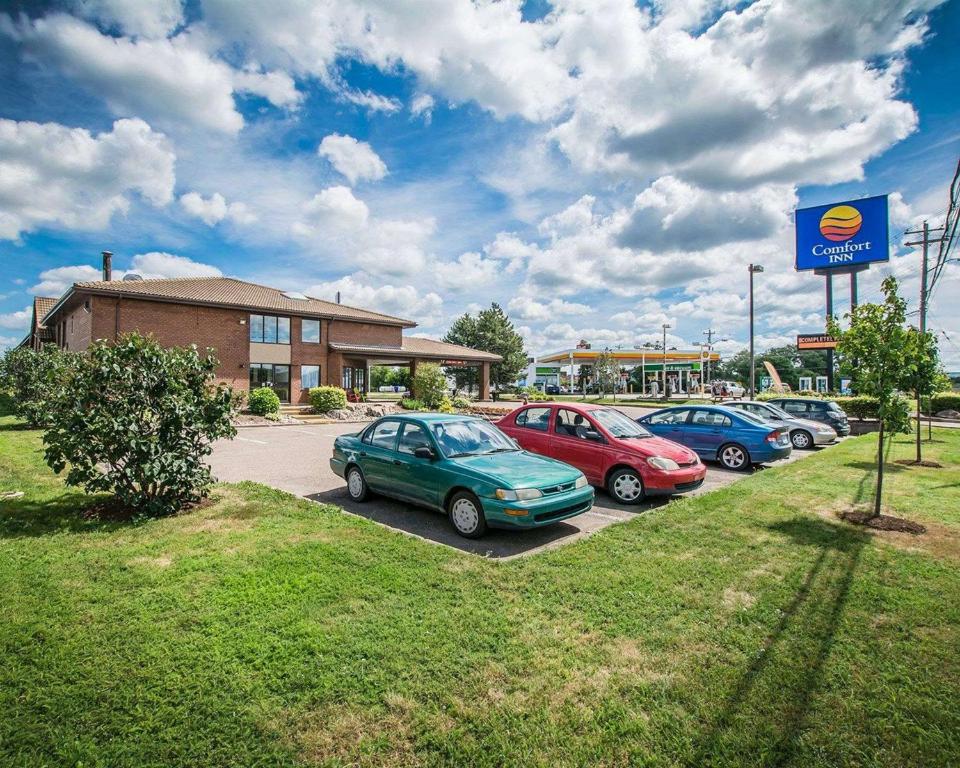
(592, 434)
(424, 453)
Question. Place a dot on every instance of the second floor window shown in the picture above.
(269, 329)
(310, 331)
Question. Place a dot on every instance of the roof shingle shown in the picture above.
(228, 291)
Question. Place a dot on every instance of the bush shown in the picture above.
(137, 420)
(272, 416)
(429, 385)
(461, 403)
(33, 378)
(533, 394)
(412, 404)
(945, 401)
(326, 399)
(445, 406)
(860, 407)
(263, 401)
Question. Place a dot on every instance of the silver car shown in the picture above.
(804, 433)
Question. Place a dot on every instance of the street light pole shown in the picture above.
(752, 269)
(666, 394)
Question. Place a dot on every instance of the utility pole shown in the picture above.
(925, 242)
(709, 334)
(753, 269)
(666, 394)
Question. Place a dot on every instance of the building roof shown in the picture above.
(42, 305)
(415, 346)
(630, 355)
(230, 292)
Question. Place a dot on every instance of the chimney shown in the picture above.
(338, 297)
(107, 266)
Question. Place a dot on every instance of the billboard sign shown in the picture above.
(815, 341)
(843, 234)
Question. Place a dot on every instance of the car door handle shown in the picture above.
(398, 462)
(363, 453)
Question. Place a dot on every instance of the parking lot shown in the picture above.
(295, 459)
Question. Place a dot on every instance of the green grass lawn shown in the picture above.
(745, 627)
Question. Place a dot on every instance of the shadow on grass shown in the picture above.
(765, 714)
(23, 518)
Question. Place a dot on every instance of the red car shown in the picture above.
(611, 449)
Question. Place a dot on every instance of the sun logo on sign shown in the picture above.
(840, 223)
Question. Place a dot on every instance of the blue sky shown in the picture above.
(599, 168)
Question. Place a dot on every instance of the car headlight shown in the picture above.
(662, 462)
(520, 494)
(581, 482)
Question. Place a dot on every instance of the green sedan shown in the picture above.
(463, 466)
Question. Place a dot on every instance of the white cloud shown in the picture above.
(276, 87)
(159, 264)
(335, 220)
(215, 209)
(155, 264)
(404, 301)
(19, 320)
(421, 105)
(52, 175)
(527, 308)
(157, 18)
(354, 159)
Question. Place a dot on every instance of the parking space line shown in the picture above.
(251, 440)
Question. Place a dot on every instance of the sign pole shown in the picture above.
(829, 279)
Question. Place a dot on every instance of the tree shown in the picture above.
(137, 420)
(429, 385)
(924, 365)
(606, 371)
(489, 331)
(33, 378)
(877, 340)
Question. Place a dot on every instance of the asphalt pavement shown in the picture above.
(295, 459)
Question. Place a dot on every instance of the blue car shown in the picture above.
(736, 439)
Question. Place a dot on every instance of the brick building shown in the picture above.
(262, 336)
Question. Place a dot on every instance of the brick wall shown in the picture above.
(305, 353)
(181, 325)
(77, 326)
(365, 333)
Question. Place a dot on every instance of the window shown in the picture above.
(710, 419)
(309, 376)
(310, 331)
(572, 424)
(670, 417)
(619, 424)
(414, 436)
(384, 435)
(795, 406)
(268, 329)
(534, 418)
(347, 379)
(471, 438)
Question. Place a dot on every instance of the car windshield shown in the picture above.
(831, 406)
(470, 438)
(618, 424)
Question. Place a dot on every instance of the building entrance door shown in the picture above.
(276, 377)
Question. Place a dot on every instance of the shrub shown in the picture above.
(429, 385)
(412, 404)
(326, 399)
(445, 406)
(461, 403)
(533, 394)
(860, 407)
(263, 401)
(272, 416)
(945, 401)
(137, 420)
(33, 378)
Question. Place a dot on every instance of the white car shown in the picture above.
(730, 388)
(804, 433)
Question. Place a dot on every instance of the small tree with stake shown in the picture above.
(137, 420)
(878, 341)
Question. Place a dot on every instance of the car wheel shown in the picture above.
(626, 486)
(801, 440)
(733, 456)
(357, 487)
(466, 515)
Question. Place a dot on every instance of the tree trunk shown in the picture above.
(879, 491)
